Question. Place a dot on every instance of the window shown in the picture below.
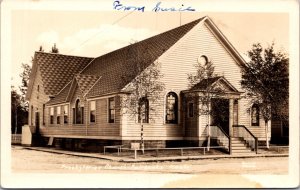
(43, 114)
(191, 109)
(92, 111)
(111, 110)
(31, 115)
(66, 113)
(58, 112)
(235, 112)
(143, 111)
(255, 115)
(202, 60)
(171, 107)
(51, 115)
(38, 90)
(78, 113)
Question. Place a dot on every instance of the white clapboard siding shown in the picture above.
(100, 128)
(37, 99)
(181, 61)
(176, 64)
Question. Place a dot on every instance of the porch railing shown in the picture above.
(218, 133)
(242, 131)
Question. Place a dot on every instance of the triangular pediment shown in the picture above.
(214, 84)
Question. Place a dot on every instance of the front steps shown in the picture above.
(240, 147)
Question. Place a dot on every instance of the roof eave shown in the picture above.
(226, 42)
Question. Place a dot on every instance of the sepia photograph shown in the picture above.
(126, 93)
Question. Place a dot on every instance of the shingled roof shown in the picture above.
(56, 70)
(85, 82)
(112, 67)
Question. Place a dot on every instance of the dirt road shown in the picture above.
(24, 160)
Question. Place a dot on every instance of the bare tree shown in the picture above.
(144, 88)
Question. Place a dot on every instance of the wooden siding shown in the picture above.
(176, 63)
(100, 128)
(155, 127)
(37, 99)
(180, 60)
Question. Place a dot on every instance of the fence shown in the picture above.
(16, 138)
(181, 150)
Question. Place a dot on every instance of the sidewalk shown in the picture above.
(153, 159)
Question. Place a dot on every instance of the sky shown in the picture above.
(94, 33)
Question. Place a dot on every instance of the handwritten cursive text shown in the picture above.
(181, 8)
(117, 5)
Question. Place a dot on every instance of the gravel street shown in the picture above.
(24, 160)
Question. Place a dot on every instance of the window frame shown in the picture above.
(257, 115)
(92, 111)
(78, 108)
(58, 115)
(110, 119)
(31, 115)
(191, 112)
(44, 107)
(144, 101)
(176, 120)
(66, 115)
(51, 113)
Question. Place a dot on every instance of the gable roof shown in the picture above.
(213, 82)
(85, 82)
(61, 96)
(56, 70)
(113, 66)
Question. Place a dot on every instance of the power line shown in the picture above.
(115, 22)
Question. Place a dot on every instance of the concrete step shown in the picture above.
(236, 138)
(238, 142)
(241, 151)
(240, 148)
(244, 154)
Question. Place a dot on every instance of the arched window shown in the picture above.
(143, 110)
(78, 113)
(171, 107)
(255, 115)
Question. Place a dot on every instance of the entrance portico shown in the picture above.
(216, 103)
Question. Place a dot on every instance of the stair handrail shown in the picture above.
(229, 139)
(223, 131)
(225, 135)
(249, 132)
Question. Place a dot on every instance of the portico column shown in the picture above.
(231, 101)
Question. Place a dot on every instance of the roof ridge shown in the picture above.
(182, 26)
(120, 60)
(60, 54)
